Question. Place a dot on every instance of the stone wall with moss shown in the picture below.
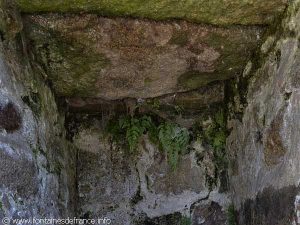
(37, 170)
(171, 61)
(216, 12)
(264, 142)
(141, 187)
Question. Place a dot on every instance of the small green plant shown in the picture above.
(231, 215)
(172, 138)
(133, 128)
(174, 141)
(156, 104)
(214, 134)
(153, 104)
(185, 220)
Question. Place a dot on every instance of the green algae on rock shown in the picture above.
(202, 11)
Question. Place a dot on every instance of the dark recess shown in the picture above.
(10, 118)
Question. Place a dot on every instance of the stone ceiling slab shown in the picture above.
(92, 56)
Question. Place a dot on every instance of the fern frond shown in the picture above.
(174, 141)
(124, 122)
(146, 122)
(133, 135)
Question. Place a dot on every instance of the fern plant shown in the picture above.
(212, 132)
(172, 138)
(216, 135)
(135, 128)
(131, 129)
(174, 141)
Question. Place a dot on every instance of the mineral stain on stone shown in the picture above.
(10, 118)
(270, 207)
(274, 148)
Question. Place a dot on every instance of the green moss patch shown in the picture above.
(72, 68)
(214, 12)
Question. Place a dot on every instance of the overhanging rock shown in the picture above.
(92, 56)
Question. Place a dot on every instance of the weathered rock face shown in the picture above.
(168, 71)
(91, 56)
(37, 170)
(184, 108)
(271, 206)
(209, 214)
(212, 12)
(265, 143)
(106, 180)
(10, 19)
(141, 189)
